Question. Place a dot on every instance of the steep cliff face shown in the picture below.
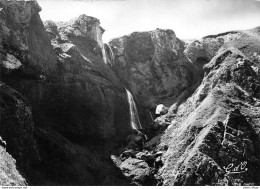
(78, 108)
(212, 138)
(217, 128)
(23, 37)
(17, 126)
(16, 137)
(98, 94)
(66, 81)
(153, 65)
(65, 119)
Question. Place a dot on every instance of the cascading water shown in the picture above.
(112, 55)
(134, 117)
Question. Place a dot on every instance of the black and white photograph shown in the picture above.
(129, 93)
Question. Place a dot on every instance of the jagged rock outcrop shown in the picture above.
(216, 131)
(78, 105)
(66, 81)
(66, 111)
(138, 170)
(213, 137)
(24, 38)
(100, 94)
(9, 176)
(202, 51)
(153, 65)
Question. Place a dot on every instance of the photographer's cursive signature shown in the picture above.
(232, 169)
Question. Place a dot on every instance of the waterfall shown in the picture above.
(112, 55)
(134, 118)
(104, 54)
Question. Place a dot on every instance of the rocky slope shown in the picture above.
(213, 137)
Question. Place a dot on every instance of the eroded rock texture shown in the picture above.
(67, 83)
(16, 137)
(64, 116)
(98, 106)
(218, 126)
(9, 176)
(75, 106)
(153, 65)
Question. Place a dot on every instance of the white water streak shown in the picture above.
(112, 55)
(134, 117)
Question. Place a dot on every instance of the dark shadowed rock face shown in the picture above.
(66, 81)
(90, 97)
(24, 38)
(66, 163)
(43, 156)
(79, 107)
(65, 118)
(16, 136)
(17, 127)
(153, 66)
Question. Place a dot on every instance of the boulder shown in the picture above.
(135, 142)
(11, 62)
(128, 153)
(147, 157)
(161, 110)
(137, 170)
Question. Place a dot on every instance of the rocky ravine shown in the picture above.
(215, 131)
(64, 112)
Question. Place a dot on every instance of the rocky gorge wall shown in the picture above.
(73, 98)
(212, 138)
(48, 75)
(153, 65)
(219, 124)
(64, 112)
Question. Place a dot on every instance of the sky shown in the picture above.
(189, 19)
